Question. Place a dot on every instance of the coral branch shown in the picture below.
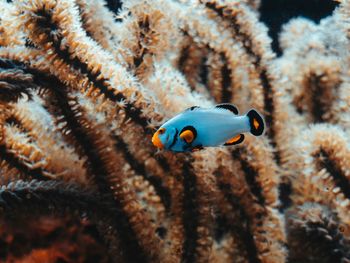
(27, 199)
(317, 225)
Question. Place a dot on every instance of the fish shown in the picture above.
(197, 128)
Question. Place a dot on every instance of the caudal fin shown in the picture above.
(257, 125)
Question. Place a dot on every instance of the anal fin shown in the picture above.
(235, 140)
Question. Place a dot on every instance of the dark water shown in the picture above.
(275, 13)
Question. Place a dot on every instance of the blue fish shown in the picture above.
(196, 128)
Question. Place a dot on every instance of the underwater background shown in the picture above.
(275, 13)
(84, 84)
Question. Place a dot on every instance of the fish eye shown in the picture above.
(161, 130)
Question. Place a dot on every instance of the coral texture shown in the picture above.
(82, 91)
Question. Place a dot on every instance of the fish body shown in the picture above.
(196, 128)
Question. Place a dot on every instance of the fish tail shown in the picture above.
(257, 125)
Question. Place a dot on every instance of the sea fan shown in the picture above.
(82, 91)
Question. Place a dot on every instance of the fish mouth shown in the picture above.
(156, 141)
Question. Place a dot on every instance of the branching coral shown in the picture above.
(82, 91)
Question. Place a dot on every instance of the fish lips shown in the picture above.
(156, 141)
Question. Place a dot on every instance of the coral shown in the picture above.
(82, 91)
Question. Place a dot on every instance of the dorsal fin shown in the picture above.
(192, 108)
(228, 106)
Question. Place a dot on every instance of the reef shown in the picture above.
(82, 90)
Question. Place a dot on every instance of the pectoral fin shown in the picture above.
(235, 140)
(188, 134)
